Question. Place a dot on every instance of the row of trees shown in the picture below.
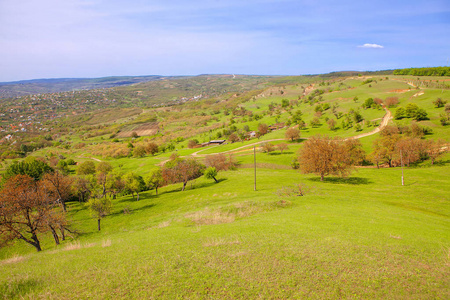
(393, 147)
(34, 195)
(324, 156)
(435, 71)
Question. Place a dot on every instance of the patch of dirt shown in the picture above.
(141, 130)
(399, 91)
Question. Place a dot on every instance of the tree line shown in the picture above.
(434, 71)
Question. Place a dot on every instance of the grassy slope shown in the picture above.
(363, 237)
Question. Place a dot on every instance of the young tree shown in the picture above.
(315, 122)
(323, 155)
(439, 103)
(282, 147)
(182, 170)
(211, 173)
(155, 180)
(292, 134)
(25, 209)
(99, 208)
(331, 124)
(102, 171)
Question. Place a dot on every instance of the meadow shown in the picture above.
(360, 237)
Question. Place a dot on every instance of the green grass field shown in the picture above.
(362, 237)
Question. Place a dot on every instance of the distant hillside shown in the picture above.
(42, 86)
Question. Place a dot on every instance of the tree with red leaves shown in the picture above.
(26, 209)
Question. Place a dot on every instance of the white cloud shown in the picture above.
(373, 46)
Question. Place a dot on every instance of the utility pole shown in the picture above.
(401, 160)
(254, 162)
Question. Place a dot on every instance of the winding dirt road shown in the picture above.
(383, 124)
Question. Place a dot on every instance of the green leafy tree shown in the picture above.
(211, 173)
(155, 180)
(400, 113)
(297, 117)
(99, 208)
(86, 168)
(31, 166)
(139, 151)
(134, 184)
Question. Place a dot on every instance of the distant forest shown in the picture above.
(435, 71)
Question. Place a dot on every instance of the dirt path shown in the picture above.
(383, 124)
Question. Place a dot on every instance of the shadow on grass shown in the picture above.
(299, 141)
(440, 163)
(191, 185)
(340, 180)
(278, 153)
(133, 210)
(19, 288)
(204, 184)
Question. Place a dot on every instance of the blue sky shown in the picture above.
(95, 38)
